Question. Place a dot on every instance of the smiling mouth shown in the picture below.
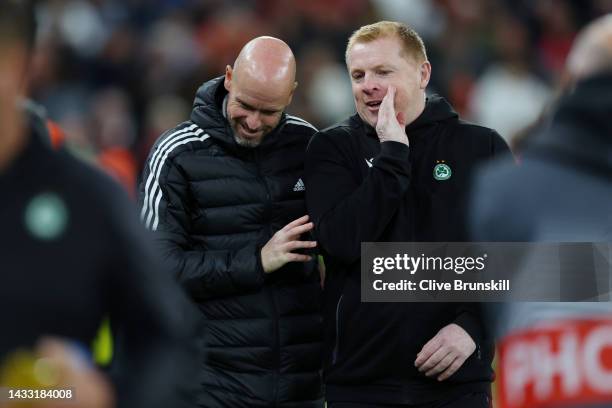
(248, 132)
(373, 105)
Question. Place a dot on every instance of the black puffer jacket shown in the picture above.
(213, 204)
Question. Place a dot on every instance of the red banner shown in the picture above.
(562, 364)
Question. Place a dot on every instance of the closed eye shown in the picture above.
(246, 106)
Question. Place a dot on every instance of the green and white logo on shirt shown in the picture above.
(442, 171)
(46, 216)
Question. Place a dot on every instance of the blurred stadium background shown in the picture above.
(116, 73)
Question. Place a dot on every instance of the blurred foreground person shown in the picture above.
(398, 171)
(557, 354)
(223, 193)
(72, 253)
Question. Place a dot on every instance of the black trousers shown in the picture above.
(474, 400)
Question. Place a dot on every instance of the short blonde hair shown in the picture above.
(411, 41)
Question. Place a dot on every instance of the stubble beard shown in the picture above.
(250, 144)
(243, 142)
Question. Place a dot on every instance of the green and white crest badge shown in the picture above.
(46, 216)
(442, 171)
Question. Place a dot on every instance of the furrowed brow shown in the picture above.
(243, 103)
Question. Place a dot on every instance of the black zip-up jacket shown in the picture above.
(213, 205)
(361, 190)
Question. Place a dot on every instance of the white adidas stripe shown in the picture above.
(153, 168)
(156, 165)
(156, 190)
(157, 162)
(296, 118)
(153, 164)
(299, 123)
(152, 197)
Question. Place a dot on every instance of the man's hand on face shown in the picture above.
(390, 126)
(445, 353)
(278, 250)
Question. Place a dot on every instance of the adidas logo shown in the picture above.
(369, 162)
(299, 186)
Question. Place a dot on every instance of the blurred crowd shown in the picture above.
(115, 74)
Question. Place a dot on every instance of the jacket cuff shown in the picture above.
(247, 269)
(395, 150)
(471, 324)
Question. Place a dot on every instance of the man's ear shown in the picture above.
(227, 83)
(295, 84)
(425, 71)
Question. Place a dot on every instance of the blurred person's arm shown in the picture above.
(153, 322)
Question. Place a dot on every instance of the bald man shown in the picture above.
(223, 194)
(562, 192)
